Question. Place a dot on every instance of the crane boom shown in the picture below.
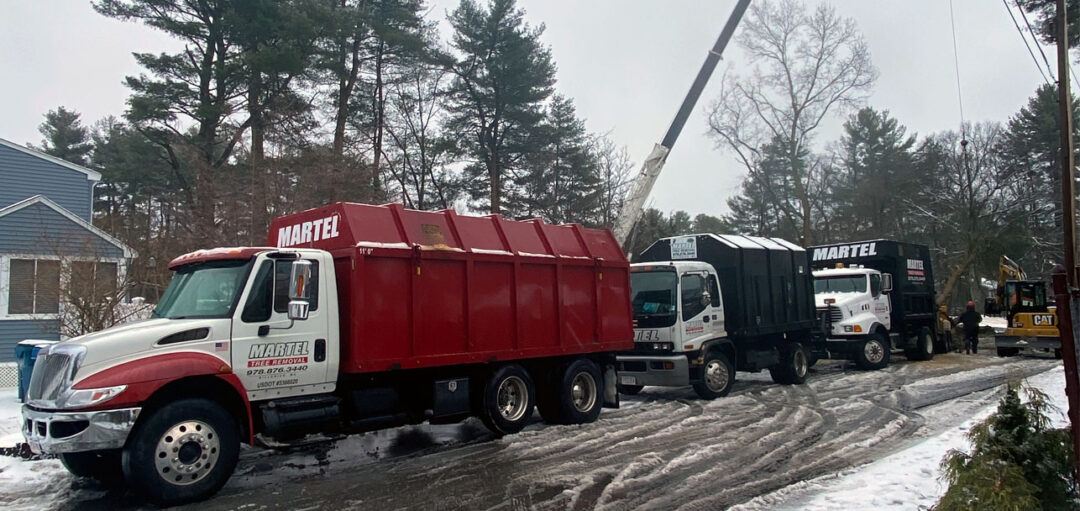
(632, 209)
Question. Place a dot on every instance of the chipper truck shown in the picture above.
(877, 297)
(353, 318)
(708, 305)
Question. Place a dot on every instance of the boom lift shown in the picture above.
(633, 207)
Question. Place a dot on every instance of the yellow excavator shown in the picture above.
(1031, 322)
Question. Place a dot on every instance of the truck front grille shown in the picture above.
(48, 377)
(833, 314)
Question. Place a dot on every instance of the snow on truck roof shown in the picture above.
(217, 254)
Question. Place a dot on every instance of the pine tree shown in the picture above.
(502, 77)
(1016, 462)
(65, 136)
(561, 183)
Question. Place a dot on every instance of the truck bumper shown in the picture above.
(1027, 342)
(844, 344)
(63, 432)
(670, 371)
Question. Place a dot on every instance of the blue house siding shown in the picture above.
(40, 230)
(14, 331)
(24, 175)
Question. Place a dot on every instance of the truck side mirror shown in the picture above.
(706, 298)
(886, 282)
(300, 290)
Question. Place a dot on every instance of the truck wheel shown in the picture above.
(924, 346)
(874, 353)
(793, 366)
(577, 394)
(182, 452)
(102, 466)
(508, 400)
(717, 376)
(1007, 352)
(630, 390)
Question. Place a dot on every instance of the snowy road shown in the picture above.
(663, 450)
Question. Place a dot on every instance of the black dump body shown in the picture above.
(766, 283)
(912, 296)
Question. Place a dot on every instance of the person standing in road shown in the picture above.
(971, 320)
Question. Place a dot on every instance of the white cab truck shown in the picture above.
(708, 305)
(876, 297)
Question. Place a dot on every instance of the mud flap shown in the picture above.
(611, 392)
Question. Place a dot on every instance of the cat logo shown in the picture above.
(1043, 319)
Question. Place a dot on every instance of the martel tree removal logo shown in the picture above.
(278, 353)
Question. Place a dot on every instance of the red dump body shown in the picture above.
(424, 289)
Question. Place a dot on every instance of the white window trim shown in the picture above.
(5, 279)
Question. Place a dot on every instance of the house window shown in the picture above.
(92, 280)
(34, 287)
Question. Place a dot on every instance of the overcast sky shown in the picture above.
(626, 63)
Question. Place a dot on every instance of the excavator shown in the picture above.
(1031, 322)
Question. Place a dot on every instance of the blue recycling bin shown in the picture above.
(26, 353)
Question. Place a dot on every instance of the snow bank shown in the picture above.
(909, 479)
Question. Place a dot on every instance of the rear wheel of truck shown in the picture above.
(630, 390)
(182, 452)
(102, 466)
(793, 366)
(576, 395)
(1008, 352)
(874, 352)
(924, 346)
(718, 374)
(508, 400)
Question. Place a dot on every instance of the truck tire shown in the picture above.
(924, 346)
(182, 452)
(1007, 352)
(630, 390)
(508, 400)
(718, 375)
(102, 466)
(576, 396)
(873, 353)
(793, 366)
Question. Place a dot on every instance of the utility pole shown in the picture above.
(1065, 284)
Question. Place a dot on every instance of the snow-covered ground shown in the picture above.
(909, 479)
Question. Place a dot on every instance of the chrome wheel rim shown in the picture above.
(187, 453)
(874, 351)
(928, 346)
(801, 364)
(513, 397)
(716, 375)
(583, 392)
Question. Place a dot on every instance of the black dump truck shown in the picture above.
(706, 305)
(877, 296)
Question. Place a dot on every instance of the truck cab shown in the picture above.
(856, 304)
(677, 310)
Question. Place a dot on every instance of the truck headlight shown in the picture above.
(82, 398)
(848, 328)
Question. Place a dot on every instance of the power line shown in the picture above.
(1034, 38)
(956, 65)
(1024, 38)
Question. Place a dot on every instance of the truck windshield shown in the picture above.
(653, 298)
(207, 290)
(840, 284)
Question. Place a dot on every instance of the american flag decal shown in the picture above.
(221, 346)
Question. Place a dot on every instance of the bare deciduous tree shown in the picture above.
(808, 65)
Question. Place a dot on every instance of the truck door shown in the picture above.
(880, 301)
(272, 355)
(696, 307)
